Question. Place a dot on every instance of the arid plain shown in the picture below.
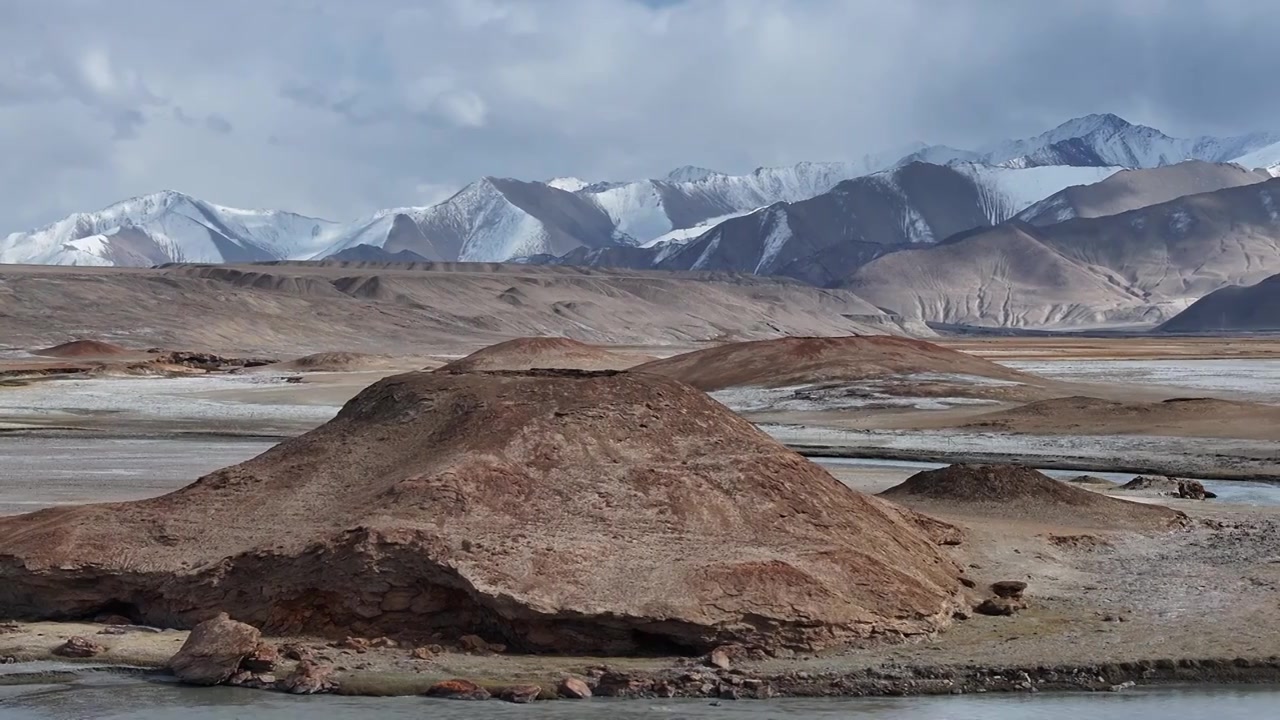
(123, 385)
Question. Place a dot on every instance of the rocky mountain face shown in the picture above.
(823, 239)
(1252, 308)
(1143, 265)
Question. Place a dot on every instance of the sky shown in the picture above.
(335, 108)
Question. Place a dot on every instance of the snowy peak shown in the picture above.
(690, 174)
(1107, 139)
(167, 226)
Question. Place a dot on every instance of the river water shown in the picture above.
(108, 697)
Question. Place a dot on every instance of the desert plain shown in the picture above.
(984, 460)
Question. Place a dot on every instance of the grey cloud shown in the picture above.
(212, 122)
(340, 108)
(218, 124)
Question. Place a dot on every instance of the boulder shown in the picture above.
(1008, 588)
(719, 659)
(574, 689)
(457, 689)
(485, 498)
(999, 606)
(309, 678)
(1193, 490)
(214, 650)
(1170, 486)
(519, 694)
(78, 646)
(263, 659)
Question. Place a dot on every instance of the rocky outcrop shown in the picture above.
(214, 650)
(478, 504)
(78, 647)
(309, 678)
(1170, 487)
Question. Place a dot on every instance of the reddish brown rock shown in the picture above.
(999, 606)
(263, 659)
(473, 644)
(309, 678)
(458, 690)
(574, 689)
(297, 651)
(488, 496)
(1008, 588)
(214, 650)
(77, 646)
(422, 653)
(520, 694)
(718, 658)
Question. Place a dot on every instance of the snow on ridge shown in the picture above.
(779, 234)
(568, 184)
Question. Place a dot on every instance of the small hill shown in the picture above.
(1015, 492)
(810, 360)
(546, 352)
(372, 253)
(333, 362)
(1251, 308)
(520, 506)
(83, 349)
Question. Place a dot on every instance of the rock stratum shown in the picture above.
(551, 511)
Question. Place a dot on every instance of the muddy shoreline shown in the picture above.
(685, 678)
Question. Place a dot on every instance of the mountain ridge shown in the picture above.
(498, 219)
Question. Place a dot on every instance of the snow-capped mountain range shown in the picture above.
(497, 219)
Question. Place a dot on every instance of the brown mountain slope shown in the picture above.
(549, 511)
(1140, 266)
(1133, 189)
(1253, 308)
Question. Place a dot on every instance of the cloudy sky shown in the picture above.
(337, 107)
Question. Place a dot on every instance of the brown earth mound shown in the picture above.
(81, 349)
(546, 352)
(333, 362)
(546, 511)
(1022, 493)
(1200, 417)
(808, 360)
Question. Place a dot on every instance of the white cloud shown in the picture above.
(338, 108)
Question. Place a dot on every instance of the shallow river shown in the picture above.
(107, 697)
